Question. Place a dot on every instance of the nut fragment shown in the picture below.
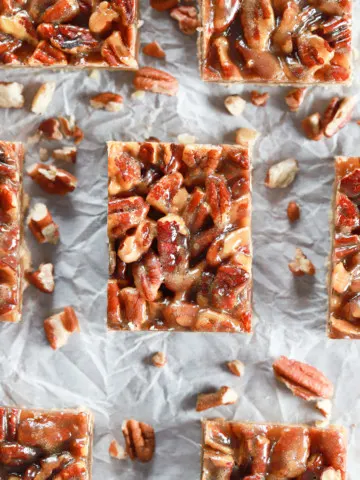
(42, 278)
(52, 179)
(56, 128)
(224, 396)
(237, 368)
(43, 97)
(295, 98)
(11, 95)
(340, 279)
(65, 154)
(259, 99)
(117, 451)
(43, 154)
(331, 474)
(338, 115)
(140, 440)
(186, 139)
(302, 379)
(159, 360)
(59, 327)
(246, 137)
(162, 5)
(154, 49)
(187, 17)
(301, 265)
(325, 407)
(282, 174)
(156, 81)
(293, 211)
(235, 105)
(312, 126)
(112, 102)
(42, 225)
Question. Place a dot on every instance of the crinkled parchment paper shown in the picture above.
(110, 372)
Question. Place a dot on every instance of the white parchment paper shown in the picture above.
(110, 372)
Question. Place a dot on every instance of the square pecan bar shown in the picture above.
(69, 33)
(180, 237)
(253, 451)
(276, 42)
(344, 286)
(40, 444)
(11, 231)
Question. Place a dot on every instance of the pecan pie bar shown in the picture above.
(69, 33)
(247, 451)
(344, 288)
(275, 41)
(180, 237)
(39, 444)
(11, 251)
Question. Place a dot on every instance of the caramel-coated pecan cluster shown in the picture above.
(11, 264)
(344, 294)
(39, 445)
(75, 33)
(275, 41)
(264, 451)
(179, 237)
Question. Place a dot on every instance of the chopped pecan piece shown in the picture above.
(20, 26)
(301, 265)
(116, 450)
(187, 17)
(293, 211)
(11, 95)
(162, 5)
(338, 114)
(59, 328)
(236, 367)
(159, 359)
(156, 81)
(50, 129)
(313, 127)
(154, 49)
(246, 137)
(148, 276)
(140, 440)
(235, 105)
(134, 306)
(68, 38)
(138, 243)
(258, 22)
(125, 213)
(324, 406)
(259, 99)
(302, 379)
(224, 396)
(43, 278)
(102, 18)
(46, 54)
(52, 179)
(65, 154)
(180, 314)
(112, 102)
(62, 11)
(294, 98)
(166, 195)
(282, 174)
(218, 198)
(42, 225)
(43, 97)
(116, 51)
(340, 278)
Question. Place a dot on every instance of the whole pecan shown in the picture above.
(164, 195)
(156, 81)
(52, 179)
(140, 440)
(302, 379)
(68, 38)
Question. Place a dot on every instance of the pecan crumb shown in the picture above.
(42, 278)
(186, 139)
(293, 211)
(325, 407)
(159, 359)
(236, 367)
(111, 102)
(43, 154)
(246, 137)
(294, 98)
(282, 174)
(65, 154)
(11, 95)
(301, 265)
(154, 49)
(235, 105)
(139, 439)
(312, 126)
(331, 474)
(117, 451)
(138, 95)
(42, 225)
(156, 81)
(43, 97)
(323, 424)
(224, 396)
(259, 99)
(59, 327)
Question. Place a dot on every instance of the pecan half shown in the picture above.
(156, 81)
(259, 99)
(340, 278)
(46, 54)
(282, 174)
(42, 278)
(258, 22)
(42, 225)
(166, 195)
(196, 211)
(227, 66)
(69, 38)
(112, 102)
(124, 172)
(290, 453)
(20, 26)
(116, 50)
(187, 17)
(61, 11)
(218, 198)
(180, 313)
(148, 276)
(16, 455)
(293, 211)
(52, 179)
(43, 97)
(224, 14)
(294, 98)
(236, 367)
(224, 396)
(313, 126)
(301, 265)
(159, 359)
(125, 213)
(154, 49)
(65, 154)
(11, 95)
(135, 245)
(59, 327)
(235, 105)
(338, 114)
(139, 439)
(302, 379)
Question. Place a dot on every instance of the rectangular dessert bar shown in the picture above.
(276, 42)
(179, 227)
(11, 254)
(344, 285)
(40, 444)
(253, 451)
(69, 33)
